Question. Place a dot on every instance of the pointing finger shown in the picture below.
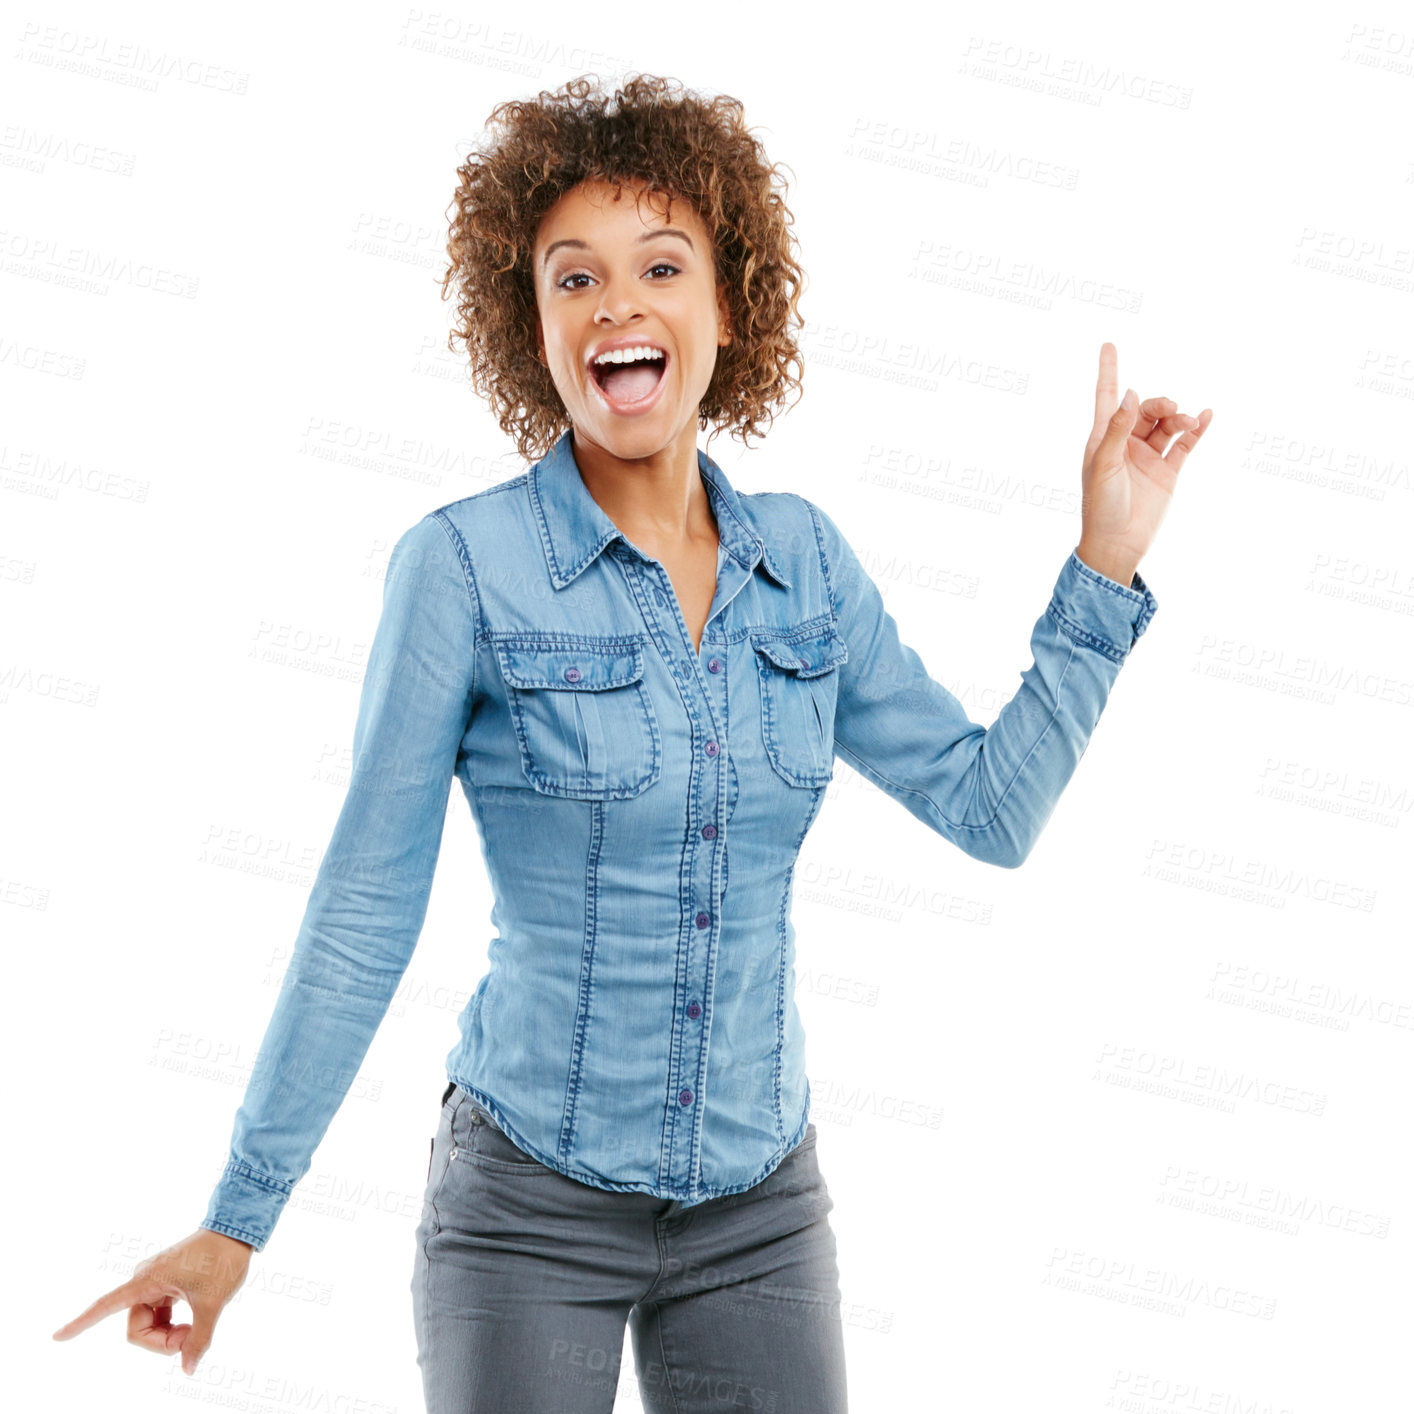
(119, 1299)
(1107, 385)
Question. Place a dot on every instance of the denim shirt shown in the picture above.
(640, 808)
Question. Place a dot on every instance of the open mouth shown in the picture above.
(628, 385)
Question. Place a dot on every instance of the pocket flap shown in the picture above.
(805, 655)
(575, 665)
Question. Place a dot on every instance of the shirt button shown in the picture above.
(709, 832)
(714, 665)
(571, 674)
(684, 1097)
(703, 919)
(711, 748)
(693, 1010)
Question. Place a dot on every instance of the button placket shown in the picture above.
(711, 793)
(703, 684)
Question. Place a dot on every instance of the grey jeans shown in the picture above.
(524, 1280)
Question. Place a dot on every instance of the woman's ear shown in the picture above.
(724, 318)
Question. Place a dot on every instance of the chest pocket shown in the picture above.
(799, 675)
(583, 717)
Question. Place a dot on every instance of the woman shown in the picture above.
(642, 678)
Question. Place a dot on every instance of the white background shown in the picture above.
(1163, 1071)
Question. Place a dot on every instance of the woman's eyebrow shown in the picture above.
(646, 236)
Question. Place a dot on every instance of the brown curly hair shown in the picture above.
(675, 143)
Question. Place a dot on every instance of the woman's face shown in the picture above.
(628, 275)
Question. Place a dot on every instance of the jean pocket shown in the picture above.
(480, 1141)
(583, 717)
(799, 677)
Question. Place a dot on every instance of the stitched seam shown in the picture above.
(435, 1226)
(585, 1003)
(779, 1058)
(662, 1258)
(720, 503)
(1105, 582)
(820, 550)
(1076, 633)
(244, 1234)
(508, 644)
(667, 1372)
(747, 519)
(508, 485)
(1036, 745)
(275, 1185)
(473, 596)
(553, 638)
(640, 589)
(560, 576)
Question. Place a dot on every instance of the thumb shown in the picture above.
(1117, 431)
(198, 1337)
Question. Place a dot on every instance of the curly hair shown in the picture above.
(674, 143)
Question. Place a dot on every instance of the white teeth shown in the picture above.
(629, 355)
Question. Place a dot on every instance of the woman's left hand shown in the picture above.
(1127, 477)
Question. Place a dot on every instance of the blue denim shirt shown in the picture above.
(640, 808)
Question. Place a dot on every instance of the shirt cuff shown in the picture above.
(1099, 612)
(246, 1205)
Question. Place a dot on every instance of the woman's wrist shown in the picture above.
(1112, 564)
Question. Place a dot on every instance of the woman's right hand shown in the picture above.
(205, 1270)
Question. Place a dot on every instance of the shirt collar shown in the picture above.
(574, 528)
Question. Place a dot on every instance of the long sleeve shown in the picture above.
(369, 899)
(988, 790)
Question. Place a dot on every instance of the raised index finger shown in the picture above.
(1107, 386)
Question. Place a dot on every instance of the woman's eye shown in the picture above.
(565, 283)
